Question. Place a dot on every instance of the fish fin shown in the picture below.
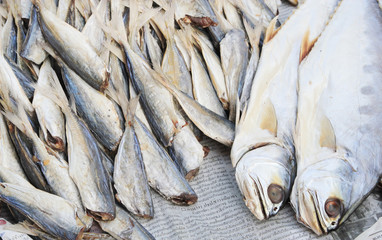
(327, 135)
(271, 30)
(115, 28)
(306, 45)
(146, 16)
(268, 118)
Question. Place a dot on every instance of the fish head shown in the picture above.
(323, 195)
(265, 177)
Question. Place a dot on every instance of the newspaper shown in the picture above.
(373, 233)
(220, 212)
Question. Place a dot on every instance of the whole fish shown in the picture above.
(51, 213)
(338, 133)
(50, 117)
(129, 176)
(162, 174)
(263, 150)
(24, 149)
(203, 90)
(73, 48)
(234, 57)
(106, 122)
(125, 227)
(214, 68)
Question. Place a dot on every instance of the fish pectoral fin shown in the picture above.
(306, 45)
(271, 30)
(268, 117)
(327, 135)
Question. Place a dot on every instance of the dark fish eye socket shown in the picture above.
(275, 193)
(333, 207)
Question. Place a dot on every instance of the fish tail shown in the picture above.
(133, 104)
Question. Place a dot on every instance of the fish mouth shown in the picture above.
(256, 200)
(315, 218)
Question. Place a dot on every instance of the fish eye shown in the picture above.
(275, 193)
(333, 207)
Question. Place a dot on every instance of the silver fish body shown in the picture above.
(215, 70)
(234, 57)
(24, 149)
(129, 176)
(51, 213)
(34, 41)
(74, 48)
(339, 99)
(9, 38)
(50, 117)
(125, 227)
(87, 171)
(100, 113)
(8, 155)
(203, 89)
(162, 174)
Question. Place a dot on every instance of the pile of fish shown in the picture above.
(101, 100)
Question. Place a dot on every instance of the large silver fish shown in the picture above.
(263, 151)
(338, 133)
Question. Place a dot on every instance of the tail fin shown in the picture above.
(133, 104)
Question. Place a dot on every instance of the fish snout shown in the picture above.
(264, 182)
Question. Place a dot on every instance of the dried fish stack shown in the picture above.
(102, 100)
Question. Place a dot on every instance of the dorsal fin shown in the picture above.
(271, 30)
(327, 135)
(268, 118)
(306, 45)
